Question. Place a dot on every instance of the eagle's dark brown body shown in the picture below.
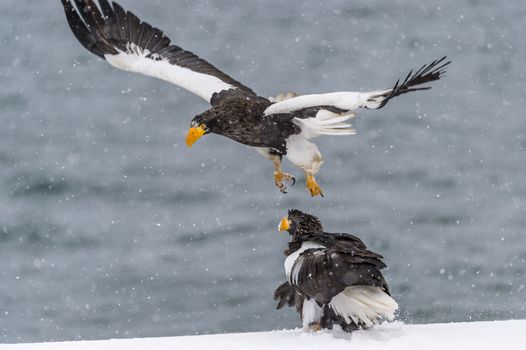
(240, 117)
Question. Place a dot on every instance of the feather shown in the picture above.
(349, 101)
(131, 45)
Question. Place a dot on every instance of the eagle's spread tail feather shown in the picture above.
(326, 123)
(364, 305)
(427, 73)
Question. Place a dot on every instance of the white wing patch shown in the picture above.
(136, 60)
(343, 100)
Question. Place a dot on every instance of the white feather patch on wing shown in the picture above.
(344, 100)
(291, 268)
(136, 60)
(311, 312)
(325, 123)
(365, 305)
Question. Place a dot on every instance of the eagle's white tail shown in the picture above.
(326, 123)
(365, 305)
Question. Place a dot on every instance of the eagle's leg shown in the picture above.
(315, 327)
(306, 156)
(312, 185)
(279, 176)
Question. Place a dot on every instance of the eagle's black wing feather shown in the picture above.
(108, 30)
(325, 272)
(287, 294)
(342, 242)
(427, 73)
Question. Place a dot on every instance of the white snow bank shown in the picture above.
(392, 336)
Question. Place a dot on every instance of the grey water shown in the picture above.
(110, 227)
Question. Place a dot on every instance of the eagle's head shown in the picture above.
(201, 125)
(298, 223)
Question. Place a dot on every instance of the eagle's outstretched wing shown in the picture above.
(348, 101)
(127, 43)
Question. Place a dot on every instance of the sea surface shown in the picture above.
(110, 227)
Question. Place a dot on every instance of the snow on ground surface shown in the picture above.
(392, 336)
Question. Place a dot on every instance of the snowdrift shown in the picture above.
(392, 336)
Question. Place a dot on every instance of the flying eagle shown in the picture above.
(332, 278)
(274, 128)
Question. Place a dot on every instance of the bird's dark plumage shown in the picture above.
(325, 267)
(277, 128)
(240, 118)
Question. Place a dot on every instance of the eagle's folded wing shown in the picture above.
(348, 101)
(323, 273)
(129, 44)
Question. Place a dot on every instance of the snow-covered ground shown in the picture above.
(392, 336)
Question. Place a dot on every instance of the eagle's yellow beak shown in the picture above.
(284, 224)
(194, 134)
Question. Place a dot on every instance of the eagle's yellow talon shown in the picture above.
(313, 187)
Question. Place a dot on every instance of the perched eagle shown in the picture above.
(332, 278)
(274, 128)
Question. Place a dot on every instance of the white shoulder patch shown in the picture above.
(282, 97)
(293, 265)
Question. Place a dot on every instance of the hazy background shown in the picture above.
(111, 227)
